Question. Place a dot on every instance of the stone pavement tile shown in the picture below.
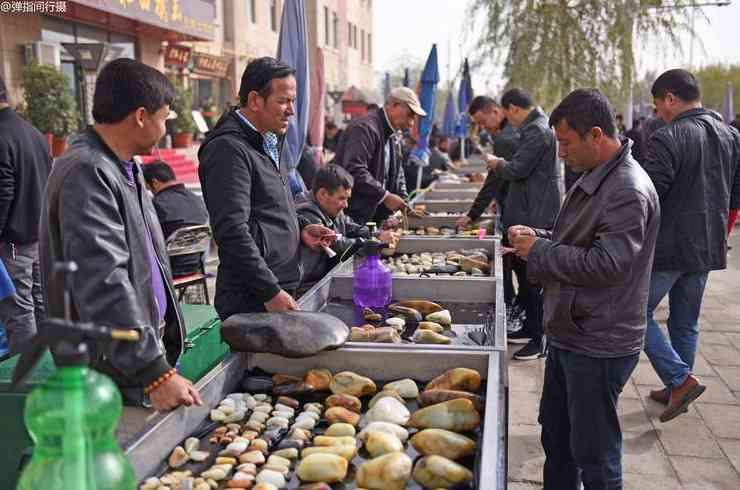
(630, 391)
(724, 355)
(730, 375)
(713, 338)
(644, 374)
(642, 454)
(526, 457)
(524, 407)
(522, 486)
(734, 339)
(525, 377)
(717, 321)
(712, 302)
(654, 409)
(684, 436)
(632, 415)
(632, 481)
(722, 420)
(700, 473)
(731, 447)
(702, 367)
(716, 392)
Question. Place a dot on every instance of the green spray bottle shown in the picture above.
(73, 416)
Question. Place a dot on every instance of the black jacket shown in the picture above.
(252, 216)
(505, 145)
(93, 216)
(25, 164)
(316, 264)
(533, 198)
(595, 264)
(693, 163)
(361, 151)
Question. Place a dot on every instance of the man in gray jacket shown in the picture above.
(595, 268)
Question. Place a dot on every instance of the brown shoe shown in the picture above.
(681, 397)
(661, 396)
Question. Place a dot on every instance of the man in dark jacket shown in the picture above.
(693, 162)
(533, 199)
(24, 167)
(331, 191)
(595, 267)
(176, 207)
(245, 187)
(98, 214)
(369, 151)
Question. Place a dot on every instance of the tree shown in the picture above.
(713, 81)
(49, 105)
(554, 46)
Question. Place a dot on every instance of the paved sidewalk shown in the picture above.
(697, 450)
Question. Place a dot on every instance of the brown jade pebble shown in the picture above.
(432, 397)
(288, 401)
(296, 388)
(239, 484)
(349, 402)
(341, 414)
(283, 379)
(320, 379)
(315, 486)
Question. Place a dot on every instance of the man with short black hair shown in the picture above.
(245, 187)
(25, 164)
(693, 162)
(98, 214)
(735, 123)
(533, 200)
(177, 207)
(330, 194)
(595, 268)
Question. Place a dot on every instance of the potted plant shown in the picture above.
(49, 105)
(183, 125)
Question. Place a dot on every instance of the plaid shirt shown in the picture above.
(269, 142)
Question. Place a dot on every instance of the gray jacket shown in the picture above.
(533, 198)
(91, 215)
(595, 264)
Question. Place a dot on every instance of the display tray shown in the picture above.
(151, 449)
(447, 221)
(446, 194)
(448, 185)
(444, 205)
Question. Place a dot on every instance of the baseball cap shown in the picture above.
(408, 96)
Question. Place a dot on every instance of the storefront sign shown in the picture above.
(207, 64)
(192, 17)
(177, 56)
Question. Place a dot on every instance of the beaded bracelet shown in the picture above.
(160, 381)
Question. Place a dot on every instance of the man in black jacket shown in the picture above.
(24, 167)
(98, 213)
(331, 191)
(245, 187)
(595, 267)
(369, 151)
(533, 200)
(693, 162)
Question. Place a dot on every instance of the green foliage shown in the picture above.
(551, 47)
(49, 105)
(713, 81)
(183, 105)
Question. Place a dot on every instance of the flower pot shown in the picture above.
(182, 140)
(58, 146)
(49, 141)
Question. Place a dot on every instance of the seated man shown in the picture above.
(177, 207)
(331, 190)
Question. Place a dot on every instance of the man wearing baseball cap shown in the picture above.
(370, 150)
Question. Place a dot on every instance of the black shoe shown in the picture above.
(530, 352)
(519, 337)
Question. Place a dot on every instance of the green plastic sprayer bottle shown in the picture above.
(73, 416)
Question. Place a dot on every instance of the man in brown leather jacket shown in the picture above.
(595, 269)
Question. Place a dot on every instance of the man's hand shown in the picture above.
(316, 236)
(394, 202)
(463, 222)
(517, 230)
(389, 237)
(174, 392)
(492, 161)
(282, 301)
(522, 238)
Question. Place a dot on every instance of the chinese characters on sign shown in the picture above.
(210, 65)
(178, 56)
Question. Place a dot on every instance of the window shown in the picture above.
(273, 15)
(369, 48)
(335, 29)
(362, 45)
(252, 10)
(327, 35)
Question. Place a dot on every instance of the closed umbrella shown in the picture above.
(464, 96)
(293, 50)
(728, 111)
(427, 97)
(449, 123)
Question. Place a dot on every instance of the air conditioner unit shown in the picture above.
(43, 52)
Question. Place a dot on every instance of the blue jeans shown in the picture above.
(674, 360)
(581, 434)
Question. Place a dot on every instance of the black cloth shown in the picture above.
(438, 160)
(25, 164)
(595, 264)
(178, 207)
(635, 134)
(331, 143)
(307, 167)
(693, 163)
(316, 264)
(735, 124)
(533, 198)
(93, 216)
(581, 434)
(252, 216)
(361, 151)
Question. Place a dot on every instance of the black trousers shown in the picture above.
(529, 297)
(581, 434)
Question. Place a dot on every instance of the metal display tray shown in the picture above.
(445, 205)
(446, 194)
(471, 169)
(439, 185)
(162, 432)
(443, 221)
